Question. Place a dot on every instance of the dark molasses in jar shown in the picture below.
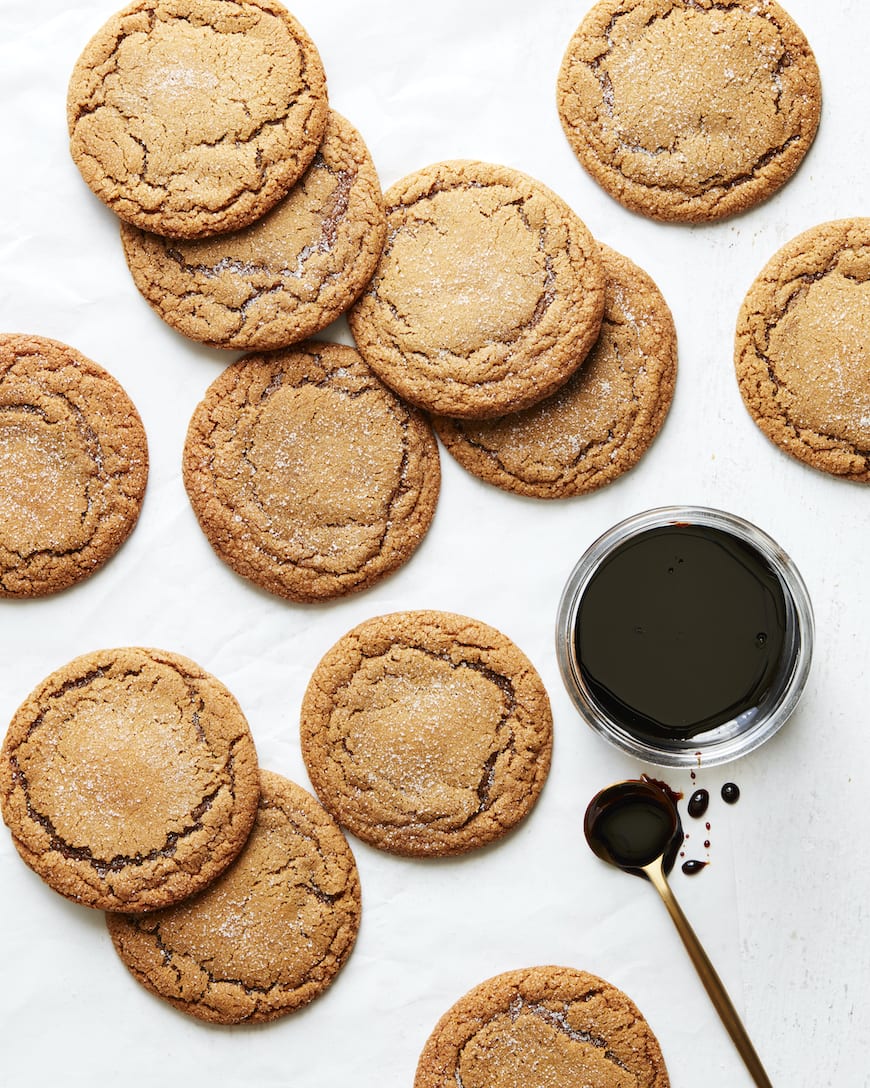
(681, 629)
(684, 636)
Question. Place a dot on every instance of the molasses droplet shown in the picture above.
(692, 866)
(730, 793)
(698, 803)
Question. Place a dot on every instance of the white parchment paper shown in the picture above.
(782, 908)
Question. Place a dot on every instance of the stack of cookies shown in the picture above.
(546, 361)
(252, 217)
(252, 214)
(130, 783)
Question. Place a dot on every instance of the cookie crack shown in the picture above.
(94, 450)
(546, 294)
(401, 488)
(100, 100)
(486, 781)
(333, 215)
(716, 180)
(801, 285)
(554, 1018)
(250, 989)
(104, 866)
(585, 450)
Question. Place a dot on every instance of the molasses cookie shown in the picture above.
(308, 475)
(128, 779)
(286, 276)
(488, 294)
(73, 466)
(542, 1025)
(194, 117)
(426, 733)
(602, 420)
(802, 349)
(270, 934)
(689, 110)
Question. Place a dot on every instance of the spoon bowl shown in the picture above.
(632, 823)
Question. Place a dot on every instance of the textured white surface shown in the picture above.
(783, 906)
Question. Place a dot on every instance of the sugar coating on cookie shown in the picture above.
(548, 1026)
(270, 934)
(128, 779)
(285, 277)
(601, 422)
(73, 466)
(426, 733)
(689, 110)
(488, 294)
(802, 348)
(194, 117)
(307, 474)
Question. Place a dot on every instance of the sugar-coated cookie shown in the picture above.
(802, 348)
(269, 934)
(547, 1026)
(128, 779)
(307, 474)
(287, 275)
(601, 422)
(488, 294)
(194, 117)
(426, 733)
(689, 110)
(73, 466)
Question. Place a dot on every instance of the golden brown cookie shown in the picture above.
(488, 294)
(689, 110)
(270, 934)
(194, 117)
(426, 733)
(600, 423)
(802, 349)
(308, 475)
(547, 1026)
(286, 276)
(73, 466)
(128, 779)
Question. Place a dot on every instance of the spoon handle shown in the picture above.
(707, 973)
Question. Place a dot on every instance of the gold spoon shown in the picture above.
(635, 826)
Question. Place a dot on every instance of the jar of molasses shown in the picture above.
(684, 635)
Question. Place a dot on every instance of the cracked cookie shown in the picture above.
(543, 1025)
(426, 733)
(488, 294)
(286, 276)
(689, 110)
(270, 934)
(308, 475)
(802, 348)
(128, 779)
(73, 466)
(194, 117)
(601, 422)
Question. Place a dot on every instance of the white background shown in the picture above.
(783, 905)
